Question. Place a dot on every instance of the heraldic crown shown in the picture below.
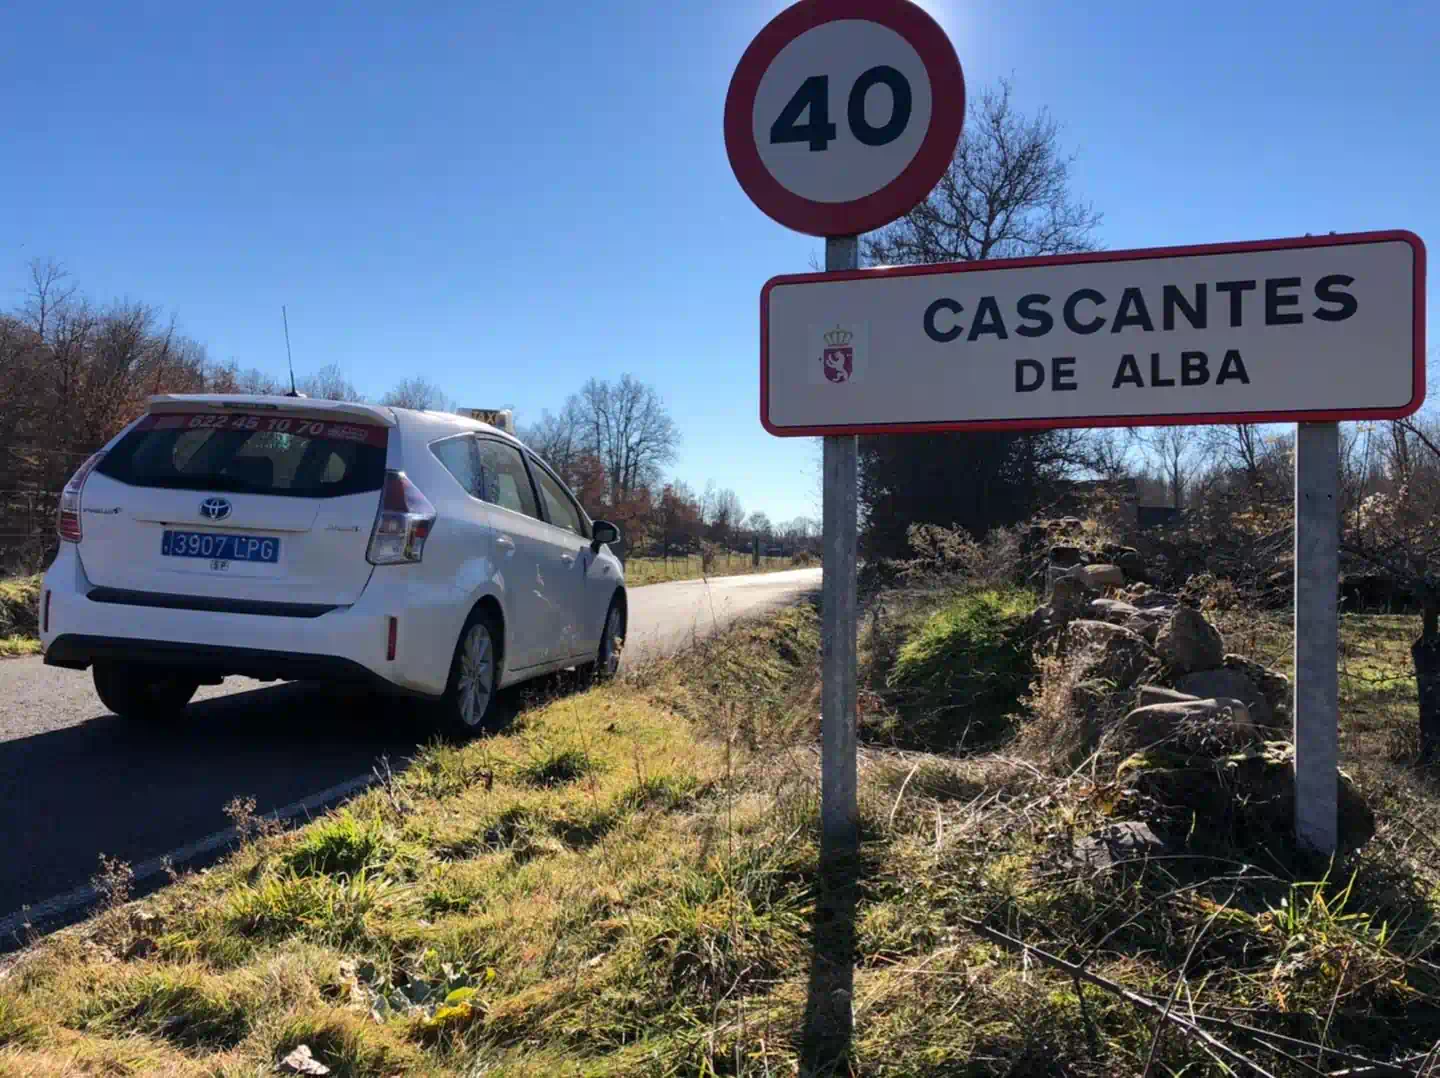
(837, 336)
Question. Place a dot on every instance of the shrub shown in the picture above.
(958, 678)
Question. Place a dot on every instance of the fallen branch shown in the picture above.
(1208, 1042)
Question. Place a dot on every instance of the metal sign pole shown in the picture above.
(831, 1019)
(1317, 634)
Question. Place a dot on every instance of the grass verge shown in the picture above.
(19, 615)
(642, 571)
(623, 884)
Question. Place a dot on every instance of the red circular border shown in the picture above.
(900, 195)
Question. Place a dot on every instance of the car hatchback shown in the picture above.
(289, 538)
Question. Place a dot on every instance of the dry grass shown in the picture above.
(622, 884)
(19, 615)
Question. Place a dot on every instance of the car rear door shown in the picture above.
(241, 501)
(568, 536)
(523, 555)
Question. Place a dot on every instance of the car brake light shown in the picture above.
(402, 524)
(67, 518)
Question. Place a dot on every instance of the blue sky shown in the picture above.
(512, 198)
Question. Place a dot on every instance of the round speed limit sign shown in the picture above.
(844, 114)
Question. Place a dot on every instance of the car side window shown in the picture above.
(560, 510)
(504, 480)
(458, 456)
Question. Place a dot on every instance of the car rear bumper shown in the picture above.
(77, 651)
(84, 624)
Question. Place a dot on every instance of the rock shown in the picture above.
(1188, 642)
(1244, 800)
(1204, 727)
(1044, 624)
(1118, 843)
(1111, 610)
(1070, 593)
(1064, 556)
(301, 1061)
(1148, 623)
(1227, 681)
(1106, 652)
(1099, 577)
(1155, 694)
(1132, 564)
(1156, 600)
(1273, 685)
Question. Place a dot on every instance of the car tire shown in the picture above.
(612, 637)
(143, 694)
(469, 700)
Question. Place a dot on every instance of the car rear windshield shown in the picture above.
(250, 454)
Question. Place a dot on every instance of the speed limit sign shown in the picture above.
(843, 114)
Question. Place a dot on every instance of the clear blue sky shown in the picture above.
(510, 198)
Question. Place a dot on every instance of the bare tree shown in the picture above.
(559, 438)
(723, 513)
(1177, 453)
(329, 383)
(419, 393)
(1006, 193)
(626, 425)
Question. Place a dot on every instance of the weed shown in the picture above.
(556, 767)
(340, 844)
(247, 823)
(112, 883)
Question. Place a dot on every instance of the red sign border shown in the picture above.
(900, 195)
(1417, 247)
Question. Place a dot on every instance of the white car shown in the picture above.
(289, 538)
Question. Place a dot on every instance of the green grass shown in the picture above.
(19, 615)
(623, 883)
(642, 571)
(956, 679)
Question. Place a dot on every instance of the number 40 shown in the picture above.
(814, 97)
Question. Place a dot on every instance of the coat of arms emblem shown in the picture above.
(839, 355)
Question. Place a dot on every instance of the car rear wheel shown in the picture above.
(474, 674)
(141, 693)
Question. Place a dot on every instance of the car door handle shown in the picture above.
(505, 543)
(568, 559)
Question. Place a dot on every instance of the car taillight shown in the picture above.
(67, 518)
(403, 523)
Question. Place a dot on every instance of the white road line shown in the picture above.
(51, 908)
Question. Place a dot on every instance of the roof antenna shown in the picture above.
(290, 362)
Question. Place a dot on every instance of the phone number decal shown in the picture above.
(267, 424)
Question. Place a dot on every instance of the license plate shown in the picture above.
(219, 549)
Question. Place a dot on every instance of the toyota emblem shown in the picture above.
(215, 508)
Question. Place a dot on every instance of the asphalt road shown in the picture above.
(76, 782)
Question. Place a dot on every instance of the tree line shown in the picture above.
(74, 372)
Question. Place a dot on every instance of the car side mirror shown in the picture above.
(603, 533)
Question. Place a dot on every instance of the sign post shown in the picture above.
(841, 117)
(1317, 635)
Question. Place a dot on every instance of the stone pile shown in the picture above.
(1203, 732)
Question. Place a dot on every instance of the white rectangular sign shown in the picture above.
(1315, 329)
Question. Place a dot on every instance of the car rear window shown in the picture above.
(250, 454)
